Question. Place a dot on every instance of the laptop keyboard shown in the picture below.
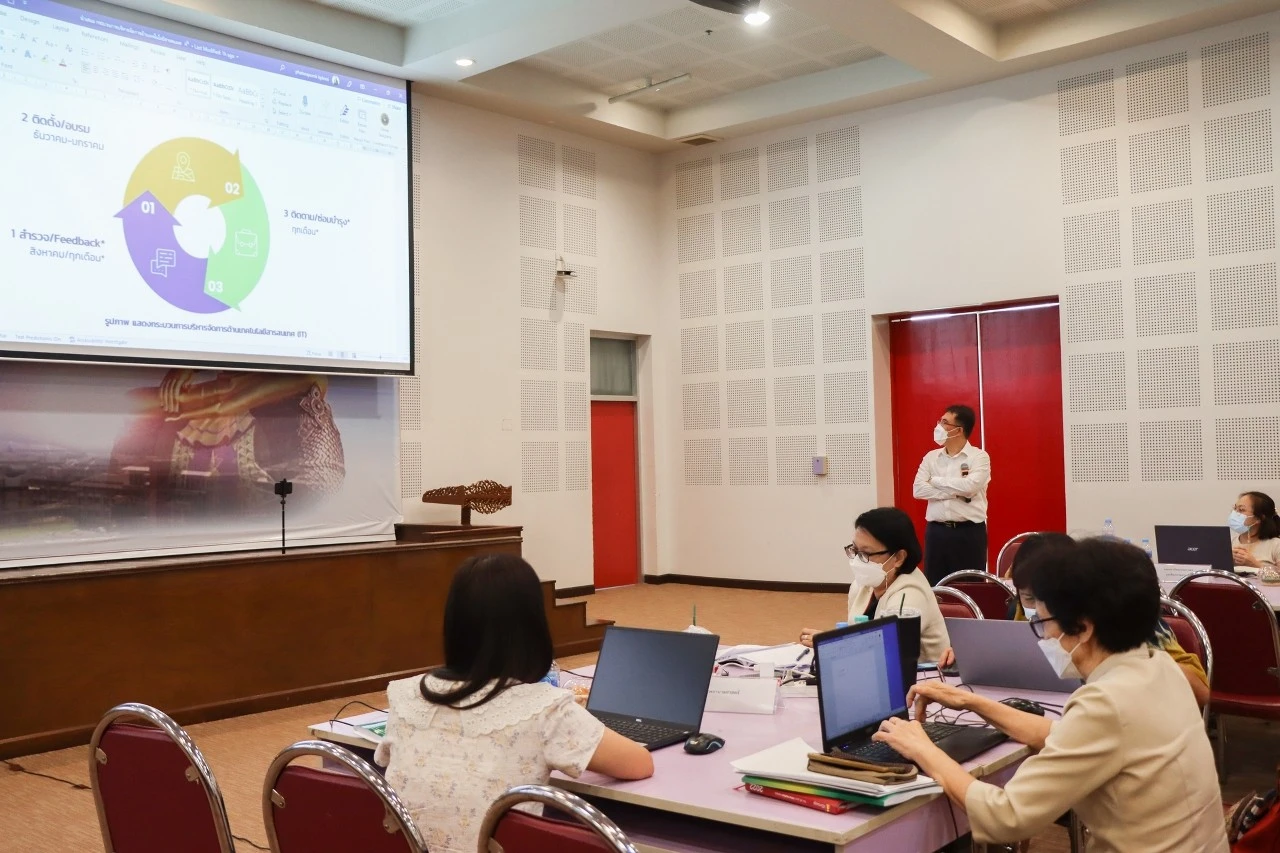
(882, 752)
(645, 733)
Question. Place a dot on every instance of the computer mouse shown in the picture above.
(703, 743)
(1024, 705)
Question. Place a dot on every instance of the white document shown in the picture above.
(1171, 573)
(789, 761)
(727, 694)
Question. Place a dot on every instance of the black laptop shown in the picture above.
(861, 687)
(1189, 545)
(651, 686)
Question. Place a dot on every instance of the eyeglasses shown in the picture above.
(947, 424)
(851, 551)
(1037, 625)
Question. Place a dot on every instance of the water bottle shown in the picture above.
(840, 625)
(1108, 529)
(1146, 546)
(553, 675)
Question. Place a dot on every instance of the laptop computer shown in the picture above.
(862, 686)
(1003, 653)
(651, 686)
(1190, 545)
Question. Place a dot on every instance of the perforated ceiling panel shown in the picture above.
(1160, 159)
(1099, 453)
(1171, 451)
(539, 347)
(695, 238)
(410, 390)
(791, 281)
(537, 223)
(540, 466)
(740, 174)
(1097, 382)
(849, 459)
(789, 222)
(1086, 103)
(1093, 311)
(537, 159)
(794, 455)
(839, 154)
(1236, 70)
(1244, 297)
(749, 461)
(788, 164)
(1169, 378)
(702, 465)
(844, 336)
(840, 214)
(1163, 232)
(842, 275)
(700, 349)
(698, 294)
(1247, 448)
(845, 399)
(746, 399)
(1092, 241)
(743, 288)
(792, 341)
(579, 172)
(740, 231)
(539, 404)
(577, 407)
(795, 401)
(537, 284)
(582, 290)
(701, 405)
(1165, 304)
(1157, 87)
(1238, 145)
(580, 230)
(744, 345)
(693, 183)
(1244, 373)
(575, 347)
(1089, 172)
(577, 466)
(410, 469)
(1242, 221)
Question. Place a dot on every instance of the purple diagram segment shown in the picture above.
(175, 276)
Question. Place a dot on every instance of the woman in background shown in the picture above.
(1256, 531)
(460, 736)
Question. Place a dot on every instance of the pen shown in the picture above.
(695, 614)
(801, 656)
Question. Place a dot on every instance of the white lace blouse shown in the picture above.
(449, 765)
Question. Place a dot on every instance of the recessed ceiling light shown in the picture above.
(756, 18)
(467, 63)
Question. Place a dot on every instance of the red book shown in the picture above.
(829, 805)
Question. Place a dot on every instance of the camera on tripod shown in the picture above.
(284, 488)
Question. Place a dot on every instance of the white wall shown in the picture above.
(970, 198)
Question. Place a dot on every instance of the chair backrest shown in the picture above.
(954, 604)
(1191, 635)
(992, 595)
(1004, 559)
(153, 789)
(506, 831)
(1241, 628)
(323, 811)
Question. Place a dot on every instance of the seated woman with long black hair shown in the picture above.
(461, 735)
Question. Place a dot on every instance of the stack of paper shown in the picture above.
(789, 762)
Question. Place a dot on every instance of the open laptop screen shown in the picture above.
(861, 681)
(653, 675)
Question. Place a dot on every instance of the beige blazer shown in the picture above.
(1129, 755)
(907, 591)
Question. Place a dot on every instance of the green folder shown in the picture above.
(801, 788)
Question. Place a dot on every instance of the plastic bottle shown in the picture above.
(1108, 529)
(858, 620)
(553, 675)
(1146, 546)
(840, 625)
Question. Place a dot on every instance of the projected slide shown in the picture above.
(184, 199)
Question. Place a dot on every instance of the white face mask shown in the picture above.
(1236, 521)
(1029, 611)
(939, 435)
(1059, 658)
(867, 574)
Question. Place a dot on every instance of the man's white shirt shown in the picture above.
(941, 480)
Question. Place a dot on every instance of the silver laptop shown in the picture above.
(1003, 653)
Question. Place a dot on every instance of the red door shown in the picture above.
(614, 493)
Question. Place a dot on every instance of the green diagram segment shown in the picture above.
(234, 270)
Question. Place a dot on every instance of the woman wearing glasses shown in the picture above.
(883, 557)
(1129, 753)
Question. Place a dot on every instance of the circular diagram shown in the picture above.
(196, 225)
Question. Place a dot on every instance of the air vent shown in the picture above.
(699, 139)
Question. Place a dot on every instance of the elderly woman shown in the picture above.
(1129, 754)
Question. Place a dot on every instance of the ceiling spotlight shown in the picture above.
(467, 63)
(756, 18)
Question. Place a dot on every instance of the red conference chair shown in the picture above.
(323, 811)
(1191, 635)
(993, 595)
(1242, 629)
(507, 831)
(1004, 560)
(954, 604)
(153, 789)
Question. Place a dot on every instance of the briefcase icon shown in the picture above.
(246, 243)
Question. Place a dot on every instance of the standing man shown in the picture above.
(954, 482)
